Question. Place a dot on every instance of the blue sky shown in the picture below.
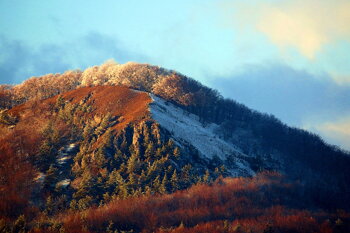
(290, 58)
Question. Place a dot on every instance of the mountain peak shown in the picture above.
(116, 132)
(153, 79)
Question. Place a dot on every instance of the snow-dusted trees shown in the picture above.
(174, 87)
(141, 76)
(39, 88)
(134, 75)
(167, 84)
(96, 75)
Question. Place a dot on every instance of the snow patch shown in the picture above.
(63, 183)
(62, 160)
(40, 177)
(71, 147)
(185, 126)
(63, 155)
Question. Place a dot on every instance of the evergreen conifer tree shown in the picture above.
(163, 185)
(174, 182)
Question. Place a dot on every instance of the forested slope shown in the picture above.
(116, 134)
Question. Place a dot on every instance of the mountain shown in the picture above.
(85, 142)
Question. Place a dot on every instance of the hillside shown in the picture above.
(82, 142)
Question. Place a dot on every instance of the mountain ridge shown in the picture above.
(123, 131)
(186, 93)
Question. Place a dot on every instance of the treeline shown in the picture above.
(167, 84)
(39, 88)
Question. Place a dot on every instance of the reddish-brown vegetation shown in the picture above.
(230, 205)
(266, 203)
(118, 100)
(16, 177)
(22, 140)
(129, 106)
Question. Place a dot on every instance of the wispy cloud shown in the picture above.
(19, 61)
(306, 25)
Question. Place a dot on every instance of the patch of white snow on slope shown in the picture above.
(186, 126)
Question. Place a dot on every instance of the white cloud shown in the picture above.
(306, 25)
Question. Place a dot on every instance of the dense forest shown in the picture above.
(80, 152)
